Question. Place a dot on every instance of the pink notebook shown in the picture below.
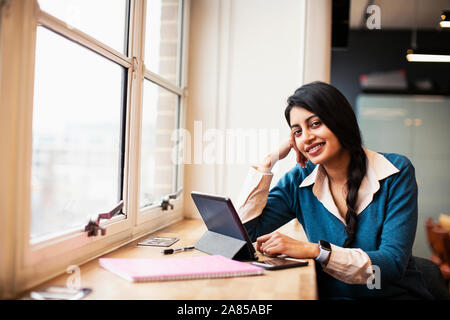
(198, 267)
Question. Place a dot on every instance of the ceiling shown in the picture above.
(400, 14)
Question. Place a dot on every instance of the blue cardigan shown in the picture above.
(385, 230)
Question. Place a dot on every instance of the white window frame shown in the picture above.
(29, 264)
(150, 213)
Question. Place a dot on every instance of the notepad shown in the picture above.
(180, 268)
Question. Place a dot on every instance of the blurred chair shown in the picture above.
(439, 241)
(432, 278)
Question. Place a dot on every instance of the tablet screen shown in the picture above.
(220, 216)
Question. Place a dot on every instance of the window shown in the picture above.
(111, 28)
(78, 115)
(103, 92)
(162, 97)
(162, 35)
(159, 120)
(77, 135)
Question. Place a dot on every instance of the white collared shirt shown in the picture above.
(378, 168)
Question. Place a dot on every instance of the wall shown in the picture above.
(246, 57)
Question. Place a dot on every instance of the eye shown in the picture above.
(315, 124)
(297, 133)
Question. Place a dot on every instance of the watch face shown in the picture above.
(325, 245)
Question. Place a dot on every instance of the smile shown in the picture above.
(313, 149)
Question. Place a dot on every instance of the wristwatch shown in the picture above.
(325, 251)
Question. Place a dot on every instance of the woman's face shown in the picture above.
(313, 138)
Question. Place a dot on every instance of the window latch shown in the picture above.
(93, 227)
(135, 66)
(165, 201)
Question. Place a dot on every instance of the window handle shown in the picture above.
(93, 226)
(165, 201)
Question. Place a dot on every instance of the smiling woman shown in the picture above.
(358, 207)
(342, 154)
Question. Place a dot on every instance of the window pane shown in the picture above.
(159, 120)
(105, 20)
(162, 38)
(76, 135)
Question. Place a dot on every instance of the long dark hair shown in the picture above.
(330, 105)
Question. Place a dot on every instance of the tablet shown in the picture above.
(223, 222)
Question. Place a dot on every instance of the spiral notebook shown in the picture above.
(198, 267)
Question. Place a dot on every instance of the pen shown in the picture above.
(170, 251)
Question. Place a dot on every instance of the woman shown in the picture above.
(358, 207)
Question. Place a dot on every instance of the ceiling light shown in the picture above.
(428, 55)
(412, 56)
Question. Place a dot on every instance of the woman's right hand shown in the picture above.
(270, 160)
(301, 159)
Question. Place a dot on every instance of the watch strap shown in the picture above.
(323, 254)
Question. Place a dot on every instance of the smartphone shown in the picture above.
(158, 241)
(279, 263)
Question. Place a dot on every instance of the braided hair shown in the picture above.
(330, 105)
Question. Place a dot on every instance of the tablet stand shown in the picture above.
(215, 243)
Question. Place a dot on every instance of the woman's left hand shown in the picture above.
(276, 243)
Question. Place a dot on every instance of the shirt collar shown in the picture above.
(378, 168)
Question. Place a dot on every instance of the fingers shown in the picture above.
(276, 243)
(301, 159)
(284, 150)
(262, 240)
(273, 249)
(292, 140)
(270, 244)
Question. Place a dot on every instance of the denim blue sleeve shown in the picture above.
(279, 207)
(399, 227)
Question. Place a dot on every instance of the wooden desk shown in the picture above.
(294, 283)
